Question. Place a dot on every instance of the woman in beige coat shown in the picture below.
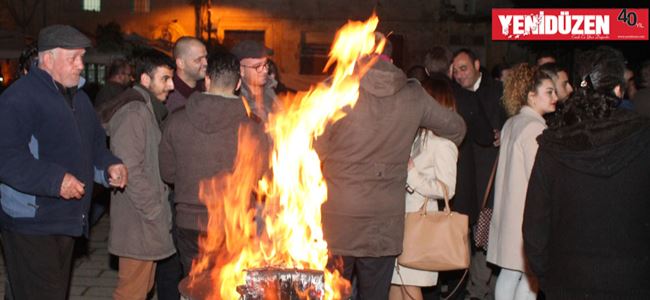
(528, 95)
(433, 159)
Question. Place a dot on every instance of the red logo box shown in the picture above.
(570, 24)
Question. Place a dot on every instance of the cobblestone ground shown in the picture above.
(93, 278)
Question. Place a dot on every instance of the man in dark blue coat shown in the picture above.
(52, 149)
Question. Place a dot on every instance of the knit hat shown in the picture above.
(61, 36)
(251, 49)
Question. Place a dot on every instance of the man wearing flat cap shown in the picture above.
(256, 87)
(53, 148)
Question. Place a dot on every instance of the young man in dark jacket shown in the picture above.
(53, 148)
(199, 142)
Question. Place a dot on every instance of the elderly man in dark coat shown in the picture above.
(52, 149)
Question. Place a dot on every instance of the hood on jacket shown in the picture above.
(599, 147)
(107, 109)
(210, 113)
(383, 79)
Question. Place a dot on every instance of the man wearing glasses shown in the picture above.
(255, 87)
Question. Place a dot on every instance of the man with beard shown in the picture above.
(140, 233)
(256, 87)
(191, 62)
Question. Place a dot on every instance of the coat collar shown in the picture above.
(528, 111)
(155, 106)
(184, 89)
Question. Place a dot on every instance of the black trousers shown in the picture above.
(38, 266)
(169, 272)
(187, 243)
(168, 276)
(373, 275)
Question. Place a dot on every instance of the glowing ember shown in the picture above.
(292, 192)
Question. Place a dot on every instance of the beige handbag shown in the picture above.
(435, 241)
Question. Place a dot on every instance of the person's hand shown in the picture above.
(497, 138)
(117, 175)
(411, 164)
(71, 187)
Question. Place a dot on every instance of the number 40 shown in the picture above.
(629, 18)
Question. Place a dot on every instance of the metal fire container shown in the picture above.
(282, 284)
(267, 283)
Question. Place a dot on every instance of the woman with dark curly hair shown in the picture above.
(528, 94)
(586, 223)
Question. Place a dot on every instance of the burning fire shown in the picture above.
(292, 192)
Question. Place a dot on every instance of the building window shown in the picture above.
(141, 6)
(314, 50)
(92, 5)
(95, 73)
(91, 73)
(313, 58)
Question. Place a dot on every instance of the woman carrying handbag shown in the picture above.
(433, 159)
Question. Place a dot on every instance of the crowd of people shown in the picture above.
(570, 164)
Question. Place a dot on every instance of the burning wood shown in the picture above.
(282, 284)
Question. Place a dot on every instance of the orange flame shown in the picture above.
(292, 193)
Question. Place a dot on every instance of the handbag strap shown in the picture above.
(405, 292)
(488, 188)
(445, 193)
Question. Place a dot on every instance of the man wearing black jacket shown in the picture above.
(488, 119)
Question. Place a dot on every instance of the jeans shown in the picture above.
(514, 285)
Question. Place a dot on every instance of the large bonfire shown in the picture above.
(281, 225)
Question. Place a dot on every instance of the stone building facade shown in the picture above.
(300, 32)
